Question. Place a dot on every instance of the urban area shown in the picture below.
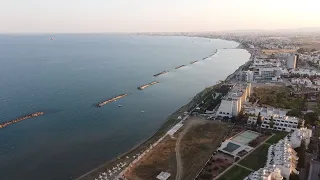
(261, 123)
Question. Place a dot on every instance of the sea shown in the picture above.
(65, 75)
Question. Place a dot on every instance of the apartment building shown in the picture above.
(282, 159)
(281, 121)
(231, 104)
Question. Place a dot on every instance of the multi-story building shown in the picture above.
(282, 158)
(266, 173)
(246, 76)
(280, 121)
(231, 104)
(266, 73)
(298, 135)
(292, 61)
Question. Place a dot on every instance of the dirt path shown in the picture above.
(191, 122)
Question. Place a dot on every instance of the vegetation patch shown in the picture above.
(279, 97)
(197, 146)
(257, 158)
(235, 173)
(277, 137)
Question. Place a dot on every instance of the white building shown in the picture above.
(281, 121)
(298, 135)
(292, 61)
(282, 158)
(246, 76)
(163, 176)
(267, 73)
(266, 173)
(231, 104)
(308, 72)
(302, 81)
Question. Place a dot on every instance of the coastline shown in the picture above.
(170, 121)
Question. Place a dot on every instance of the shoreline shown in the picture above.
(170, 121)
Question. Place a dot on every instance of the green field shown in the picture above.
(257, 159)
(235, 173)
(277, 137)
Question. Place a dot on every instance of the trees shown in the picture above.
(301, 50)
(311, 118)
(240, 116)
(295, 112)
(271, 122)
(301, 154)
(259, 119)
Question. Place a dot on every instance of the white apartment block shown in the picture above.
(266, 173)
(268, 73)
(282, 122)
(264, 62)
(298, 135)
(282, 158)
(246, 76)
(231, 104)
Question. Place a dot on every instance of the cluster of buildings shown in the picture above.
(272, 118)
(231, 104)
(315, 58)
(268, 69)
(304, 72)
(282, 158)
(306, 82)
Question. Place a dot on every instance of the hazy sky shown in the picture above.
(155, 15)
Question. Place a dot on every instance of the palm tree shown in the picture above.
(259, 119)
(271, 122)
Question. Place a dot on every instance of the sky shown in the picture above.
(90, 16)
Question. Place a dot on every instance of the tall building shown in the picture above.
(292, 61)
(246, 76)
(231, 104)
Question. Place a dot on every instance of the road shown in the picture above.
(177, 148)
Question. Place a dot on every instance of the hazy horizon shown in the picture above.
(125, 16)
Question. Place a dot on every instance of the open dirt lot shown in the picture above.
(160, 158)
(198, 144)
(275, 51)
(184, 155)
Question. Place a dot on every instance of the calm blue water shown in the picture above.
(65, 77)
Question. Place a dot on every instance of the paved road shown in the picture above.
(245, 167)
(314, 170)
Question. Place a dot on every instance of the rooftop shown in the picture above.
(267, 112)
(163, 176)
(236, 92)
(264, 173)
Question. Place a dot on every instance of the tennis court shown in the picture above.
(245, 137)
